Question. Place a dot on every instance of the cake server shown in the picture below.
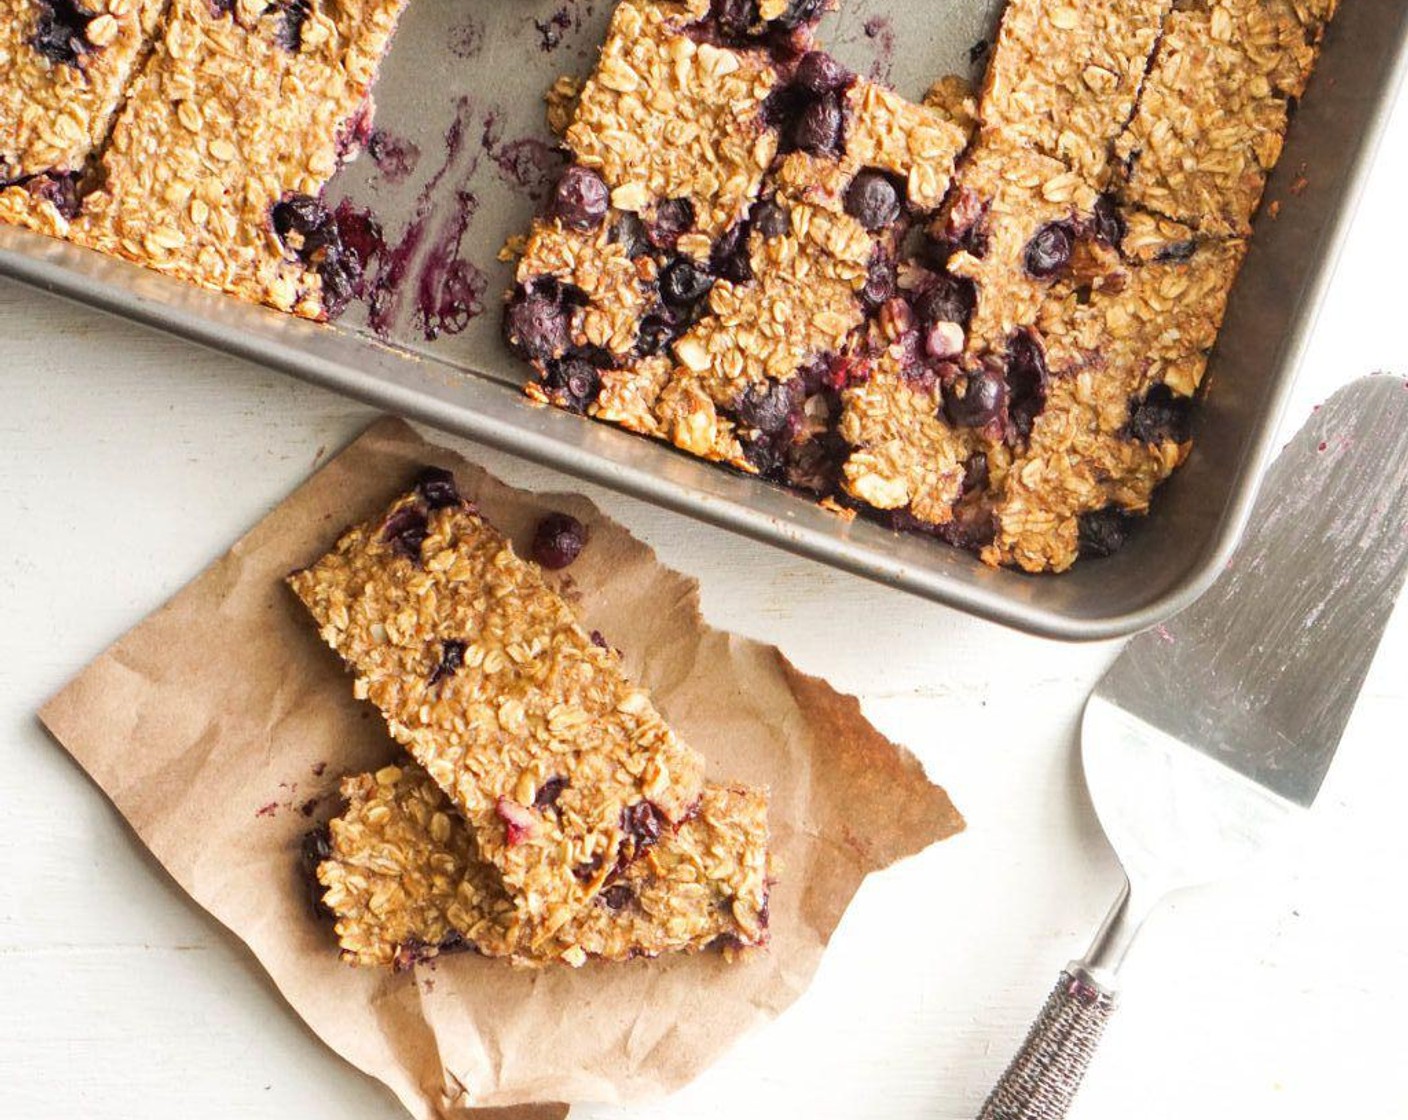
(1211, 734)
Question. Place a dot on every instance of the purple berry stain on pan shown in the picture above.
(467, 38)
(556, 28)
(394, 156)
(527, 164)
(425, 282)
(552, 29)
(881, 31)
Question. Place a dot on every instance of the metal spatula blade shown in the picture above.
(1211, 733)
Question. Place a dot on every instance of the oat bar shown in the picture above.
(1039, 448)
(748, 382)
(1213, 112)
(403, 881)
(1017, 223)
(563, 768)
(623, 253)
(1064, 74)
(712, 303)
(63, 67)
(214, 168)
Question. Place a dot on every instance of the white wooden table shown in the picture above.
(128, 460)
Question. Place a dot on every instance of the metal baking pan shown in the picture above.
(465, 151)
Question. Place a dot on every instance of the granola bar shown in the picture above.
(1213, 112)
(708, 297)
(404, 883)
(563, 769)
(1038, 449)
(215, 166)
(1064, 74)
(1019, 222)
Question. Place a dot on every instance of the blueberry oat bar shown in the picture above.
(706, 298)
(402, 879)
(563, 769)
(1017, 223)
(238, 119)
(63, 67)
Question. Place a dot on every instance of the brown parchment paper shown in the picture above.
(220, 726)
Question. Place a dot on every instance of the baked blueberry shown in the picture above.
(798, 13)
(537, 324)
(582, 199)
(1027, 381)
(673, 217)
(1161, 416)
(1106, 222)
(629, 232)
(817, 128)
(730, 260)
(641, 823)
(734, 18)
(818, 73)
(880, 282)
(683, 282)
(657, 330)
(769, 408)
(319, 246)
(617, 896)
(405, 531)
(873, 200)
(292, 14)
(437, 488)
(451, 659)
(975, 472)
(558, 540)
(60, 190)
(1101, 532)
(299, 213)
(946, 299)
(315, 849)
(574, 382)
(1048, 253)
(980, 402)
(1177, 252)
(549, 792)
(770, 218)
(60, 32)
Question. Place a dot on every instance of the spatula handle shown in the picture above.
(1042, 1079)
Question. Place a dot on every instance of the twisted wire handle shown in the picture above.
(1042, 1079)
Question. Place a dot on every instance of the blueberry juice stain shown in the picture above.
(881, 31)
(425, 282)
